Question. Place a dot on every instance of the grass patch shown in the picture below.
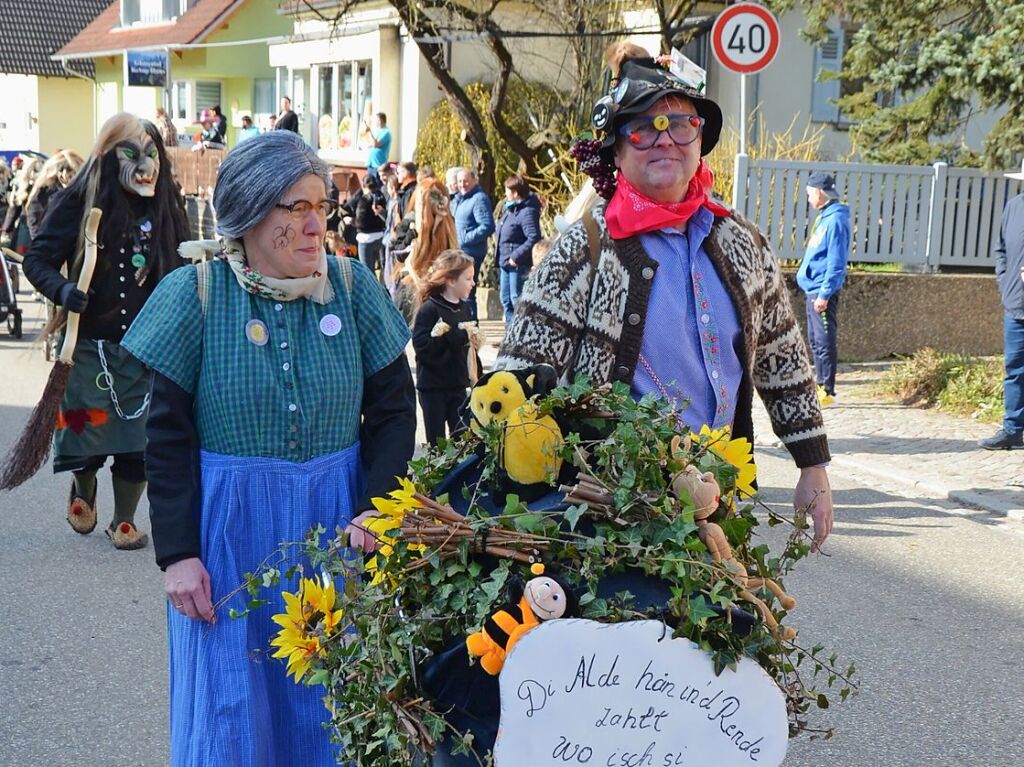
(885, 268)
(955, 383)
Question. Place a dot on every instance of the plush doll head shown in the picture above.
(548, 596)
(499, 393)
(701, 489)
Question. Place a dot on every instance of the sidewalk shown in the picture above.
(927, 451)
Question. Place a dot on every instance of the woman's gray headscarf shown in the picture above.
(255, 175)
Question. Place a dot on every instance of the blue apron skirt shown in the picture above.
(232, 705)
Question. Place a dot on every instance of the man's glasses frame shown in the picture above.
(643, 132)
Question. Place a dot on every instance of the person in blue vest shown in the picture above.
(285, 402)
(380, 143)
(474, 223)
(821, 276)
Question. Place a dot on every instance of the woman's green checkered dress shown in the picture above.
(278, 392)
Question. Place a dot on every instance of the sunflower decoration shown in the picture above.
(737, 452)
(393, 509)
(308, 622)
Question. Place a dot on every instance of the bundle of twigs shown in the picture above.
(589, 491)
(442, 529)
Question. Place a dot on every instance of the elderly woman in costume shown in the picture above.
(282, 400)
(103, 413)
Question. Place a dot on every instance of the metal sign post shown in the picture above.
(745, 39)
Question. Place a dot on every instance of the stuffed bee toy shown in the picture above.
(530, 441)
(544, 597)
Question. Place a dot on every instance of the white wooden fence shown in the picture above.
(924, 218)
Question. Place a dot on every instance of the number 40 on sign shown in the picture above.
(745, 38)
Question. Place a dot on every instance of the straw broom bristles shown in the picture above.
(33, 446)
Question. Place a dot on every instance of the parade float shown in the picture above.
(575, 579)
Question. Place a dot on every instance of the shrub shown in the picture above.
(955, 383)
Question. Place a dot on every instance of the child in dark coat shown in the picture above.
(445, 339)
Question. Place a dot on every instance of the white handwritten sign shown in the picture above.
(577, 692)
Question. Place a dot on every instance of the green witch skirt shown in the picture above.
(104, 407)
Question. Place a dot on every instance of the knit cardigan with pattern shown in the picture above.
(591, 322)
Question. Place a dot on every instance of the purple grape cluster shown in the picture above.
(587, 152)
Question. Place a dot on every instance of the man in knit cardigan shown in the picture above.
(666, 290)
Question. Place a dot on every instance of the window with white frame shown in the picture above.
(152, 11)
(181, 100)
(263, 103)
(208, 95)
(345, 91)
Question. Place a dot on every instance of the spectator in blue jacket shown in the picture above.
(821, 276)
(474, 223)
(1009, 255)
(518, 232)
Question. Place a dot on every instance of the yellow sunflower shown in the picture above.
(393, 509)
(309, 619)
(738, 452)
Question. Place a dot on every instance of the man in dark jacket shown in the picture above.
(474, 222)
(1010, 273)
(821, 276)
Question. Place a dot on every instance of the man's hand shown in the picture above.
(188, 587)
(814, 494)
(359, 537)
(820, 304)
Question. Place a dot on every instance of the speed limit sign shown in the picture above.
(745, 38)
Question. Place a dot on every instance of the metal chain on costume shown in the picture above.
(108, 379)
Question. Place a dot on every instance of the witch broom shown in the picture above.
(33, 446)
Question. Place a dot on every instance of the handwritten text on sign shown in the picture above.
(627, 695)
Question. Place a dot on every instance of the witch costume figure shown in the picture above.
(103, 413)
(284, 402)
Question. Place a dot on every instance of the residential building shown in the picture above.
(45, 106)
(338, 75)
(216, 54)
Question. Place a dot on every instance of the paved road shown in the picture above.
(916, 592)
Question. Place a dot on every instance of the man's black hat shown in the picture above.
(642, 82)
(826, 182)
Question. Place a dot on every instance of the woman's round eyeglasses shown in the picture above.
(299, 209)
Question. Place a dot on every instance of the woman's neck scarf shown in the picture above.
(630, 213)
(315, 287)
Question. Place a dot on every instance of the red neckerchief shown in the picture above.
(629, 212)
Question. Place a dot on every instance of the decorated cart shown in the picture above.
(574, 580)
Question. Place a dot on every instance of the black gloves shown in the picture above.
(72, 299)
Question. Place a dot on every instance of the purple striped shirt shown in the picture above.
(692, 339)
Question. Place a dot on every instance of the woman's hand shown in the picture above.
(188, 587)
(359, 536)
